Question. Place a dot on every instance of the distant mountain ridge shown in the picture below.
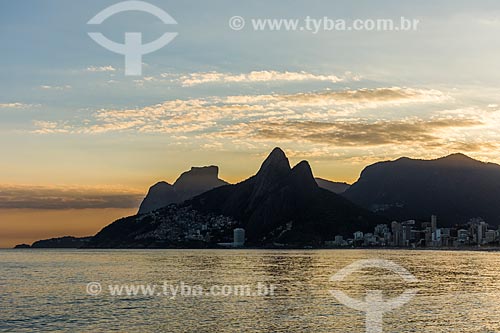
(285, 205)
(279, 204)
(456, 188)
(335, 187)
(66, 242)
(189, 184)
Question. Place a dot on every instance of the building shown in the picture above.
(370, 240)
(396, 233)
(446, 237)
(358, 235)
(406, 234)
(381, 230)
(435, 232)
(239, 237)
(463, 236)
(490, 236)
(482, 228)
(339, 240)
(433, 223)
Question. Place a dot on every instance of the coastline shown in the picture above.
(443, 249)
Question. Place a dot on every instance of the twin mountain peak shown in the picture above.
(274, 170)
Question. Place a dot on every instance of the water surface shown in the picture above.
(45, 291)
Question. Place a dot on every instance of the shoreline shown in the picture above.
(447, 249)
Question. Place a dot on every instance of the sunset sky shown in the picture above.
(81, 142)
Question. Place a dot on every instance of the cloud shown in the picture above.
(101, 69)
(15, 105)
(354, 133)
(213, 113)
(489, 21)
(48, 87)
(324, 122)
(194, 79)
(50, 127)
(360, 98)
(66, 197)
(144, 80)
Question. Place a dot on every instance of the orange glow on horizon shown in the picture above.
(27, 225)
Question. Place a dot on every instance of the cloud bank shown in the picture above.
(341, 123)
(66, 197)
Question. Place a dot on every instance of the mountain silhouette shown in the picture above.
(456, 188)
(283, 204)
(66, 242)
(189, 184)
(279, 204)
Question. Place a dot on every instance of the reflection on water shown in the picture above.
(44, 290)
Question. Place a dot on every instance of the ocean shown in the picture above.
(248, 291)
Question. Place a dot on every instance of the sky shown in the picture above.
(81, 142)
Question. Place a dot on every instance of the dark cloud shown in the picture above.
(37, 197)
(348, 133)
